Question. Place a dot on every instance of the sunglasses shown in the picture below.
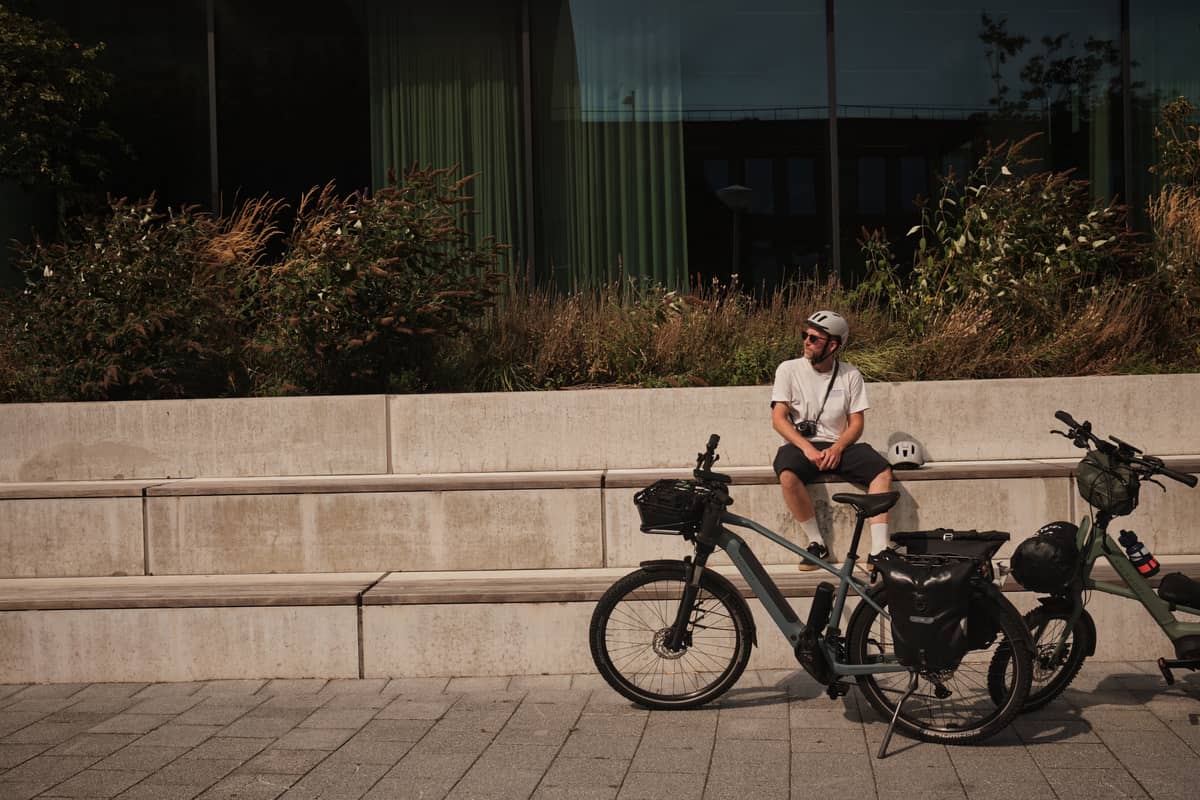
(814, 338)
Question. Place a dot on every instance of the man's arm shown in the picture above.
(782, 424)
(832, 456)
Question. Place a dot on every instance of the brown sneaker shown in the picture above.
(817, 549)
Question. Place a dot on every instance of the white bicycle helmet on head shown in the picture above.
(832, 323)
(906, 454)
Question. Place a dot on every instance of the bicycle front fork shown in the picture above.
(687, 602)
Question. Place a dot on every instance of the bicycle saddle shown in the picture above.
(868, 504)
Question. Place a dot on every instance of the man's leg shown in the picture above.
(862, 466)
(879, 523)
(795, 495)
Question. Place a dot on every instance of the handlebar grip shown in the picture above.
(713, 441)
(1063, 416)
(1182, 477)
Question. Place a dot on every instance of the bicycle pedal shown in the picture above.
(837, 689)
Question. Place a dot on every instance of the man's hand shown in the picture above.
(830, 457)
(811, 453)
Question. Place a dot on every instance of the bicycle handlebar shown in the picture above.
(705, 461)
(1187, 480)
(1081, 434)
(1063, 416)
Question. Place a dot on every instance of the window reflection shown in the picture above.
(1164, 40)
(931, 86)
(645, 111)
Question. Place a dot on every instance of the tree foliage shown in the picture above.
(51, 89)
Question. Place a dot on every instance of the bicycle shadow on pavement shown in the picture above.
(783, 688)
(1108, 699)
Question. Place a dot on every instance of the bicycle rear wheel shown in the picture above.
(952, 706)
(629, 632)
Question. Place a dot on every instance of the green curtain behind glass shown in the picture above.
(445, 89)
(610, 168)
(1164, 39)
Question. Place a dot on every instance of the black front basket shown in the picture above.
(669, 506)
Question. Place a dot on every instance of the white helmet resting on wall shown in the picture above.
(832, 323)
(906, 454)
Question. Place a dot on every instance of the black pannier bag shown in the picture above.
(1047, 561)
(928, 600)
(669, 506)
(979, 545)
(1107, 484)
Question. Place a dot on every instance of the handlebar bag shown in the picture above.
(928, 600)
(1107, 484)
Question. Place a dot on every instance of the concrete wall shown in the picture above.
(393, 531)
(597, 429)
(190, 438)
(71, 537)
(496, 529)
(308, 528)
(178, 644)
(632, 428)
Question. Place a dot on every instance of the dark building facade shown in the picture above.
(611, 137)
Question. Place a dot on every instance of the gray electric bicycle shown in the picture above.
(675, 634)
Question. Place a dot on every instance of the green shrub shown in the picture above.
(1025, 244)
(370, 286)
(136, 305)
(1174, 213)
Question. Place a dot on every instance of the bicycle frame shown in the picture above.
(776, 604)
(1094, 543)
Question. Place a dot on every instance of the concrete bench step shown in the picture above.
(396, 588)
(495, 481)
(185, 591)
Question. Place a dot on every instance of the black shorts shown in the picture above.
(860, 463)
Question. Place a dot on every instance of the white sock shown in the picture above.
(811, 531)
(879, 537)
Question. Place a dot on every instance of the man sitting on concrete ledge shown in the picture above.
(818, 406)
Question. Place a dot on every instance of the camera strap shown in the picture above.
(837, 362)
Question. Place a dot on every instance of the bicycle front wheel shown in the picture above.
(951, 706)
(1051, 675)
(631, 625)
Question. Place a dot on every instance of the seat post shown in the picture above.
(860, 520)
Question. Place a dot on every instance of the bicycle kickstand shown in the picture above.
(887, 736)
(1166, 665)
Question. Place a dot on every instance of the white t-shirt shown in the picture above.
(803, 388)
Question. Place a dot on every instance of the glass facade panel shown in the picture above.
(157, 54)
(1164, 42)
(802, 186)
(673, 140)
(292, 103)
(645, 111)
(935, 84)
(445, 90)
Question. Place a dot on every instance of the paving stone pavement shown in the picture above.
(1119, 732)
